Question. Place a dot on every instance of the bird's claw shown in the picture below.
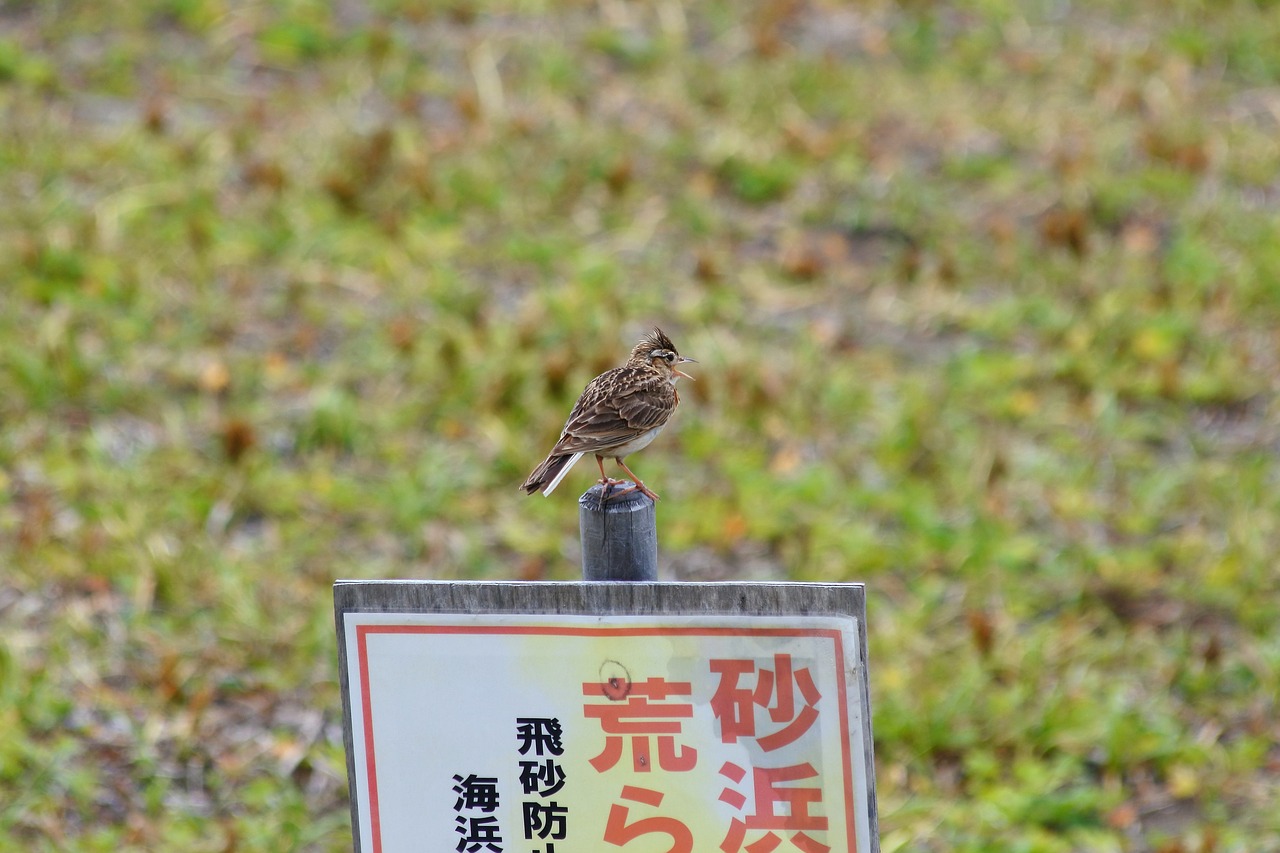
(605, 493)
(640, 487)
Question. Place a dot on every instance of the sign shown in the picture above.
(578, 718)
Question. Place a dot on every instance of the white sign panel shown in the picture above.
(660, 733)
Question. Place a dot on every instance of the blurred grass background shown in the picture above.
(985, 294)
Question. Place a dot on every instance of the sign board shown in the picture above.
(586, 717)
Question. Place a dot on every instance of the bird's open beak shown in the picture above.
(682, 360)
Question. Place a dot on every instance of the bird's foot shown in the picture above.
(609, 483)
(639, 486)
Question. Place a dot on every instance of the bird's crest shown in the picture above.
(655, 341)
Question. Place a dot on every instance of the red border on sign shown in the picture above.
(363, 631)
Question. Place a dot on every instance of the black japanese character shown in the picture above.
(478, 793)
(539, 733)
(478, 832)
(546, 820)
(543, 778)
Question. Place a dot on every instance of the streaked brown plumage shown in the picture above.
(618, 413)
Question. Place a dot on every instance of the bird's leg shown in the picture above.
(649, 493)
(606, 481)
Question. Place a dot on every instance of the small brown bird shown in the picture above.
(619, 412)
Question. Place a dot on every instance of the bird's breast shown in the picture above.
(639, 442)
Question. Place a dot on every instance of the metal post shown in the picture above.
(620, 537)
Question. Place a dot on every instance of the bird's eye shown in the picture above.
(669, 356)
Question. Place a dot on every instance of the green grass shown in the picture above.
(984, 295)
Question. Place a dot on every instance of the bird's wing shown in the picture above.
(615, 407)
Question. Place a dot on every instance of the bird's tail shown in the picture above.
(548, 475)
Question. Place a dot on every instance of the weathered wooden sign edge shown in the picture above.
(766, 598)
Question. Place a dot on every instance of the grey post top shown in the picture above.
(619, 536)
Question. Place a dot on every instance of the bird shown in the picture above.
(618, 413)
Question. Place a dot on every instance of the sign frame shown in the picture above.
(601, 600)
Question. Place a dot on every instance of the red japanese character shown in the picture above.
(768, 796)
(733, 705)
(618, 832)
(642, 720)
